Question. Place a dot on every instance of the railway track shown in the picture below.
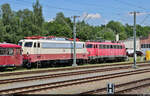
(123, 88)
(61, 69)
(42, 87)
(23, 79)
(139, 84)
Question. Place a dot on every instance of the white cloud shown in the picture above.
(51, 20)
(92, 16)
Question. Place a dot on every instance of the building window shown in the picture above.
(142, 45)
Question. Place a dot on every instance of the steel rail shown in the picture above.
(61, 69)
(23, 79)
(37, 88)
(119, 86)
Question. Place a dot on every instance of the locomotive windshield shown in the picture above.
(20, 43)
(28, 44)
(89, 46)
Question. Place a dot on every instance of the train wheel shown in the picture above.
(38, 64)
(28, 65)
(53, 64)
(2, 69)
(85, 62)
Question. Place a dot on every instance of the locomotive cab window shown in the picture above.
(83, 46)
(89, 46)
(20, 43)
(38, 45)
(34, 44)
(28, 44)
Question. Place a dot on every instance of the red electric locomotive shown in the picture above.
(103, 51)
(10, 55)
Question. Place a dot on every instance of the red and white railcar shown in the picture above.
(102, 51)
(43, 49)
(10, 55)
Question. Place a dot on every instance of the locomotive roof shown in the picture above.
(105, 43)
(45, 40)
(7, 45)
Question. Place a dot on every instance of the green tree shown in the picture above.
(38, 18)
(2, 31)
(27, 23)
(108, 34)
(118, 28)
(16, 25)
(129, 30)
(60, 26)
(6, 14)
(61, 19)
(146, 30)
(7, 17)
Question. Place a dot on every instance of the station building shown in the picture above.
(145, 43)
(129, 44)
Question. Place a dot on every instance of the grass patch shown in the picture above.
(139, 59)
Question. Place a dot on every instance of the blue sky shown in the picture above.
(117, 10)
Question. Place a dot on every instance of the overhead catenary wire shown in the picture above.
(100, 6)
(120, 16)
(61, 8)
(50, 6)
(146, 17)
(65, 9)
(130, 4)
